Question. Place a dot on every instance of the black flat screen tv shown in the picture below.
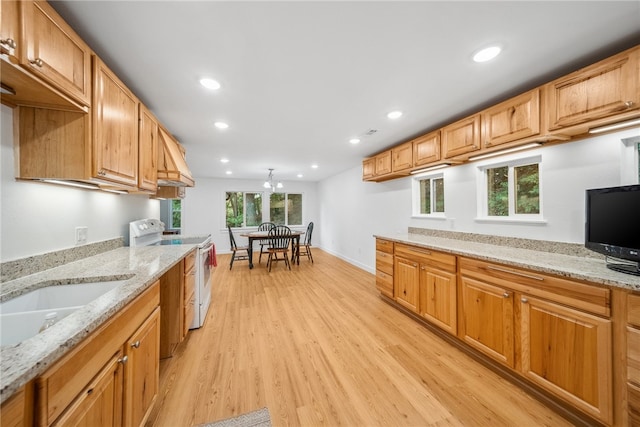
(612, 226)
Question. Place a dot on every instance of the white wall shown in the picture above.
(352, 211)
(36, 218)
(203, 208)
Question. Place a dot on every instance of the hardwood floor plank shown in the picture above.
(318, 347)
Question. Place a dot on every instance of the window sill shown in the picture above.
(511, 220)
(437, 217)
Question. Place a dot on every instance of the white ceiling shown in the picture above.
(299, 79)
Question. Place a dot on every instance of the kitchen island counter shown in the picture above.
(139, 267)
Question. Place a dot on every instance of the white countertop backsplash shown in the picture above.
(140, 266)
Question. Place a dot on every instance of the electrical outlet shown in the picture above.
(81, 235)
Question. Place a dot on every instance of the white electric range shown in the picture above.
(148, 232)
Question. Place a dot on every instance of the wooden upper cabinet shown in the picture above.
(605, 89)
(402, 157)
(115, 128)
(461, 137)
(426, 149)
(509, 121)
(54, 52)
(368, 168)
(9, 29)
(383, 163)
(147, 151)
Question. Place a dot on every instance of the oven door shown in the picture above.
(203, 283)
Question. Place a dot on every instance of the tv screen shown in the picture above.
(613, 225)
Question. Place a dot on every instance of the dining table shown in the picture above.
(264, 235)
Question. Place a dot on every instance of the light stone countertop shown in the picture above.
(140, 266)
(573, 267)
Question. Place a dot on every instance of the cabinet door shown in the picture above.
(142, 371)
(368, 168)
(9, 30)
(438, 299)
(115, 127)
(383, 163)
(406, 276)
(147, 151)
(402, 157)
(426, 149)
(461, 137)
(100, 403)
(511, 120)
(604, 89)
(54, 52)
(488, 319)
(568, 352)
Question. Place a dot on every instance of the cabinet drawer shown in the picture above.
(633, 355)
(384, 262)
(384, 283)
(189, 286)
(567, 292)
(189, 263)
(188, 313)
(384, 246)
(427, 256)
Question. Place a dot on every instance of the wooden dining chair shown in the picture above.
(279, 241)
(264, 244)
(236, 250)
(305, 247)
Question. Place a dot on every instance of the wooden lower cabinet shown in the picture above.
(189, 302)
(406, 276)
(110, 378)
(18, 410)
(568, 352)
(488, 319)
(438, 297)
(384, 267)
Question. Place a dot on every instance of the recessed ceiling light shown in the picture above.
(487, 54)
(221, 125)
(210, 84)
(228, 172)
(394, 114)
(224, 160)
(354, 140)
(314, 166)
(300, 175)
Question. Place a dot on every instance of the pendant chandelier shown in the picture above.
(269, 182)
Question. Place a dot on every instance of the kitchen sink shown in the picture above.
(22, 317)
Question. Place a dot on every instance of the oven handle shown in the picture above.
(205, 251)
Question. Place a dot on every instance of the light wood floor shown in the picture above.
(317, 346)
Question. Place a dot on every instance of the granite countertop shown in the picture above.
(140, 267)
(573, 267)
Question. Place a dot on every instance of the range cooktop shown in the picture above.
(182, 241)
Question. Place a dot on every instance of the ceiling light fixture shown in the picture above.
(487, 54)
(228, 172)
(314, 166)
(224, 160)
(615, 126)
(300, 175)
(354, 140)
(221, 125)
(508, 150)
(394, 114)
(269, 182)
(210, 84)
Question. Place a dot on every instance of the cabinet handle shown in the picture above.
(415, 265)
(524, 300)
(517, 273)
(628, 104)
(506, 295)
(123, 360)
(136, 344)
(11, 43)
(37, 62)
(422, 267)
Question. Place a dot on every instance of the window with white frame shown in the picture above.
(428, 195)
(285, 208)
(175, 214)
(243, 209)
(511, 190)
